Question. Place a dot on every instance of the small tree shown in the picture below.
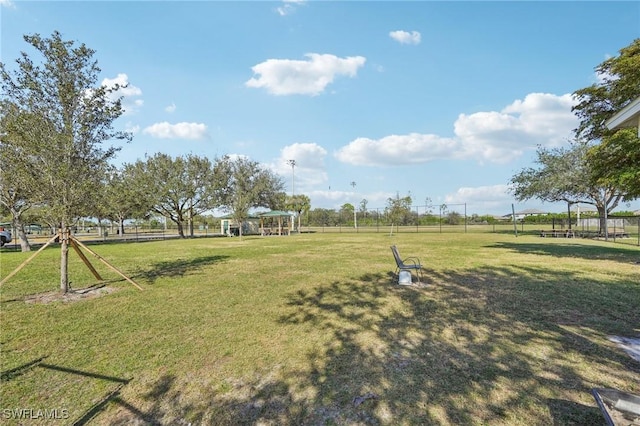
(298, 203)
(65, 119)
(398, 208)
(347, 209)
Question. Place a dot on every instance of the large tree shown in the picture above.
(618, 84)
(123, 197)
(566, 175)
(16, 177)
(247, 185)
(616, 155)
(181, 188)
(616, 161)
(66, 116)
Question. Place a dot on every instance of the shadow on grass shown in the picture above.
(13, 373)
(176, 268)
(487, 346)
(88, 415)
(576, 250)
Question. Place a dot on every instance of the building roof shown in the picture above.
(584, 209)
(275, 213)
(531, 211)
(628, 116)
(231, 216)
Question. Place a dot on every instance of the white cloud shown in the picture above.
(486, 136)
(125, 90)
(493, 193)
(332, 198)
(307, 155)
(604, 77)
(7, 3)
(289, 6)
(501, 136)
(310, 77)
(397, 150)
(170, 108)
(235, 157)
(132, 128)
(480, 199)
(182, 130)
(309, 169)
(405, 37)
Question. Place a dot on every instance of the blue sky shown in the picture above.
(438, 100)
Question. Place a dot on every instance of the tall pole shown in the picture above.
(355, 217)
(292, 163)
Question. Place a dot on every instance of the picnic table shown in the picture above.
(274, 231)
(566, 233)
(597, 234)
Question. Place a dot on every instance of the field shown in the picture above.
(310, 329)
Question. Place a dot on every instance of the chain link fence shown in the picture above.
(451, 218)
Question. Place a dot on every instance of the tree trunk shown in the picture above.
(22, 236)
(602, 214)
(191, 221)
(180, 228)
(64, 259)
(121, 227)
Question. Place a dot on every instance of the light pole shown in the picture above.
(355, 217)
(292, 163)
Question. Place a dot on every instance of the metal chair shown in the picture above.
(408, 264)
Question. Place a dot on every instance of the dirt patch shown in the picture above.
(71, 296)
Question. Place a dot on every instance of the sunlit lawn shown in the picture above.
(310, 329)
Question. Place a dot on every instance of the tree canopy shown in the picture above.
(615, 157)
(298, 203)
(246, 185)
(57, 117)
(179, 188)
(616, 161)
(565, 174)
(618, 85)
(398, 209)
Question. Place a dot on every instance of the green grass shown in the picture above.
(290, 330)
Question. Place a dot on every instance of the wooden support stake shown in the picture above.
(106, 263)
(23, 264)
(85, 260)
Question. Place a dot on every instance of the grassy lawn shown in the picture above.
(309, 329)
